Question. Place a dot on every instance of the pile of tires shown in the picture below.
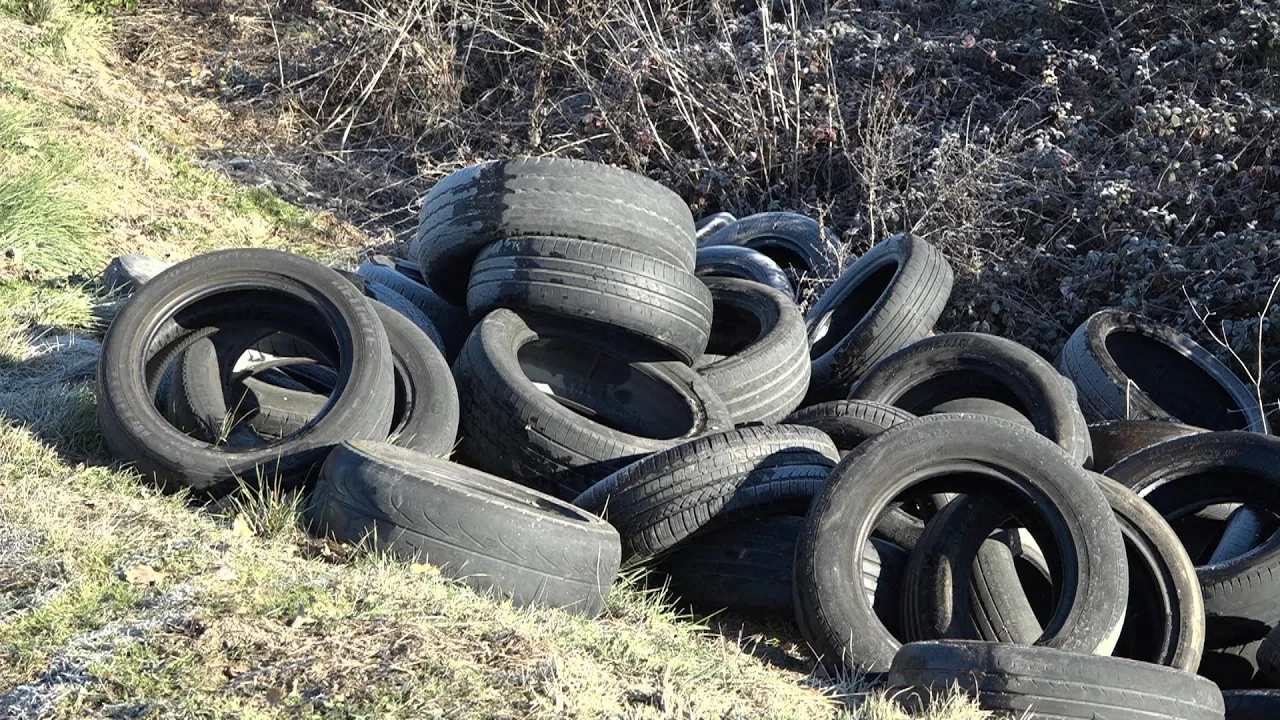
(570, 374)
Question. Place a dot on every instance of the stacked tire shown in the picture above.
(571, 374)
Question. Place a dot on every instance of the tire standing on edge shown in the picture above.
(274, 290)
(838, 622)
(548, 403)
(493, 534)
(888, 299)
(1128, 367)
(951, 366)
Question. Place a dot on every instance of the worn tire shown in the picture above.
(1115, 440)
(763, 369)
(546, 197)
(837, 621)
(662, 500)
(1128, 367)
(1046, 683)
(850, 422)
(946, 367)
(1233, 668)
(591, 283)
(514, 429)
(494, 535)
(983, 406)
(798, 244)
(1241, 595)
(745, 264)
(1252, 704)
(449, 321)
(888, 299)
(273, 290)
(707, 226)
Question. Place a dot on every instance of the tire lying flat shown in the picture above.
(795, 242)
(662, 500)
(743, 263)
(888, 299)
(545, 197)
(763, 369)
(495, 535)
(1052, 683)
(595, 284)
(276, 290)
(1128, 367)
(551, 404)
(850, 422)
(929, 373)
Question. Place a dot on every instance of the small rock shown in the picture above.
(127, 272)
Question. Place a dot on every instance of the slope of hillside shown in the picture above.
(116, 601)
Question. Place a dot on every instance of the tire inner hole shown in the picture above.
(850, 310)
(733, 328)
(614, 393)
(1174, 382)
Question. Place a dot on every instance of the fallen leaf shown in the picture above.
(224, 574)
(144, 575)
(424, 569)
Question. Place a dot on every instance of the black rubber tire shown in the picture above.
(1268, 657)
(662, 500)
(884, 567)
(1161, 374)
(798, 244)
(926, 455)
(1116, 440)
(547, 197)
(983, 406)
(850, 422)
(246, 288)
(424, 418)
(492, 534)
(928, 373)
(707, 226)
(450, 321)
(888, 299)
(1234, 668)
(1041, 682)
(763, 369)
(1244, 529)
(513, 429)
(1164, 621)
(404, 266)
(394, 300)
(744, 566)
(595, 284)
(1181, 476)
(743, 263)
(1252, 704)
